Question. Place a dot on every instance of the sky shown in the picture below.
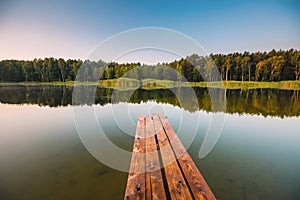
(73, 29)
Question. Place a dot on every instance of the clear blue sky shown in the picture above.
(72, 29)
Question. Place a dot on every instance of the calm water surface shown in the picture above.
(42, 157)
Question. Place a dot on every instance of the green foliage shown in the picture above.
(259, 66)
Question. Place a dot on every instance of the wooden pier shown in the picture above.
(156, 145)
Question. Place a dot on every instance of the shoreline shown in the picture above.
(160, 84)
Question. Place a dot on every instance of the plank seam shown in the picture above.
(163, 174)
(185, 179)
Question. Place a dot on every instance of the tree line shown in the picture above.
(257, 66)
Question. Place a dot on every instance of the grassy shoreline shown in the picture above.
(157, 84)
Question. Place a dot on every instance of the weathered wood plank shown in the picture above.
(176, 184)
(135, 188)
(148, 186)
(148, 175)
(154, 181)
(145, 180)
(197, 183)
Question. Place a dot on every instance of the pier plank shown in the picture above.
(161, 167)
(176, 183)
(135, 188)
(154, 181)
(197, 183)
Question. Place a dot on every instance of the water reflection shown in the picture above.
(42, 156)
(266, 102)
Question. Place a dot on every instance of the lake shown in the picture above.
(42, 155)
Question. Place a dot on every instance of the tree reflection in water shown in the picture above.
(266, 102)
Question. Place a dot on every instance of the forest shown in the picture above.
(270, 66)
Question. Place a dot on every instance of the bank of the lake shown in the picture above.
(157, 84)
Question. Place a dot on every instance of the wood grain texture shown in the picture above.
(176, 184)
(197, 183)
(155, 139)
(135, 188)
(154, 180)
